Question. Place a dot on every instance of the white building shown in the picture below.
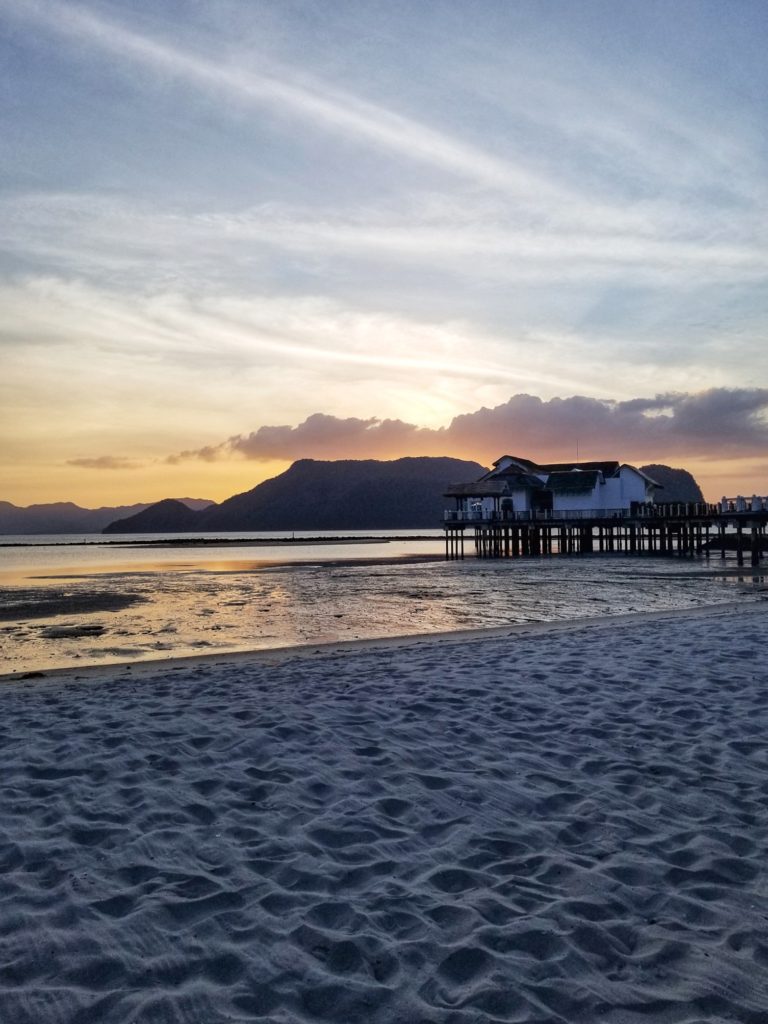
(517, 485)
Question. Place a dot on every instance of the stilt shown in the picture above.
(694, 529)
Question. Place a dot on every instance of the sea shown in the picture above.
(77, 600)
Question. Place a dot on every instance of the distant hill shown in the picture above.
(166, 516)
(310, 495)
(66, 517)
(678, 484)
(313, 495)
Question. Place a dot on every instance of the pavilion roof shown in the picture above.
(515, 478)
(607, 468)
(573, 482)
(478, 489)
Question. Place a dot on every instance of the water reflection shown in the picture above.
(146, 609)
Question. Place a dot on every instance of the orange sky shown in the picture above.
(267, 231)
(219, 480)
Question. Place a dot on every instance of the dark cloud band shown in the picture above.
(718, 422)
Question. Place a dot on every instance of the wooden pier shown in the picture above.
(674, 529)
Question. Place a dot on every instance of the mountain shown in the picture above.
(313, 495)
(310, 495)
(66, 517)
(167, 516)
(678, 484)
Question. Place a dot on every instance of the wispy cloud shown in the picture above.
(648, 128)
(91, 235)
(226, 334)
(314, 102)
(165, 365)
(109, 462)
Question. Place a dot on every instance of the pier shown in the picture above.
(652, 529)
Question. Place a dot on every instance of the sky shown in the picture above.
(234, 233)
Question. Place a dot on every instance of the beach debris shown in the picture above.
(73, 631)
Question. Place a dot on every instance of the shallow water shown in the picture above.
(63, 605)
(122, 552)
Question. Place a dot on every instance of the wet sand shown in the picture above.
(552, 824)
(113, 611)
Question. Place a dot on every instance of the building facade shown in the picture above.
(517, 485)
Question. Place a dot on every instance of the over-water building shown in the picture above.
(517, 485)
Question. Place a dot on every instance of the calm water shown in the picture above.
(123, 551)
(65, 603)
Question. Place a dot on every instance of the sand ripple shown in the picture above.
(566, 828)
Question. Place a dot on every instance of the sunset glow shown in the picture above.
(239, 234)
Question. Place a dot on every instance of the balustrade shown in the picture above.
(669, 510)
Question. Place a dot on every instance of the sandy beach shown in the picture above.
(562, 824)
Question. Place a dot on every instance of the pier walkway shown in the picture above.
(683, 529)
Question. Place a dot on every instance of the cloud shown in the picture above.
(105, 462)
(313, 101)
(250, 342)
(649, 125)
(479, 242)
(718, 422)
(321, 436)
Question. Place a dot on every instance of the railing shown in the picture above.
(647, 510)
(539, 515)
(742, 504)
(679, 510)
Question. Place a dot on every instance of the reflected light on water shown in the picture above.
(121, 609)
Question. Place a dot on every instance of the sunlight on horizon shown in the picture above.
(233, 239)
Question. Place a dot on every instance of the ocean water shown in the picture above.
(69, 601)
(100, 553)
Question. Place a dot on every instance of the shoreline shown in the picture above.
(273, 656)
(557, 821)
(219, 541)
(217, 605)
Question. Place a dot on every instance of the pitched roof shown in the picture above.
(573, 482)
(525, 463)
(522, 480)
(478, 489)
(649, 479)
(609, 468)
(562, 477)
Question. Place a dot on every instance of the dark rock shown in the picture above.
(679, 485)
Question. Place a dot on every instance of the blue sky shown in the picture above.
(220, 217)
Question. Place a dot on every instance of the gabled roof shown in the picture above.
(514, 475)
(561, 477)
(521, 480)
(650, 480)
(574, 482)
(478, 489)
(610, 468)
(525, 463)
